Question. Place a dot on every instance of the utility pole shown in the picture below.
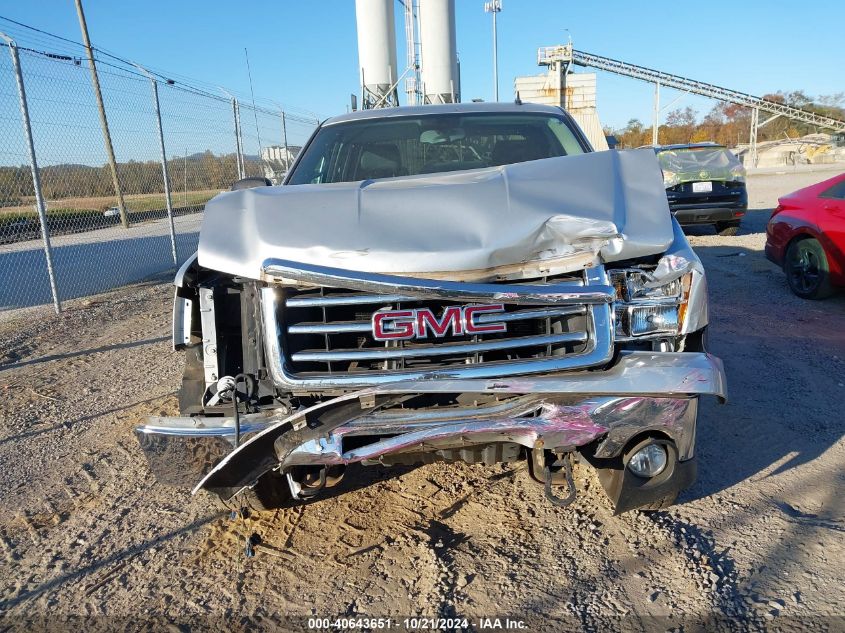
(494, 7)
(285, 141)
(104, 124)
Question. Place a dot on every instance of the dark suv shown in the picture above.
(705, 184)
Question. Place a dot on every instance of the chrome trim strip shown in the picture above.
(344, 327)
(540, 313)
(224, 427)
(512, 406)
(344, 300)
(554, 294)
(332, 327)
(442, 349)
(636, 373)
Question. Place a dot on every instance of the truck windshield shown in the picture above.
(407, 146)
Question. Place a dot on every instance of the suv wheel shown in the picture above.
(727, 228)
(807, 270)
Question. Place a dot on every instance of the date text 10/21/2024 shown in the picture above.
(416, 624)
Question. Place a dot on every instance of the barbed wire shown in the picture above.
(129, 67)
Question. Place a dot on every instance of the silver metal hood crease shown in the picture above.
(540, 217)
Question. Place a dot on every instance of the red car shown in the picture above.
(806, 236)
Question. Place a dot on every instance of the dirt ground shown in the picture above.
(90, 540)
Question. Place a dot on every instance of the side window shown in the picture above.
(338, 162)
(317, 176)
(566, 137)
(836, 191)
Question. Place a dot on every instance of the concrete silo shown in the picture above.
(441, 80)
(377, 53)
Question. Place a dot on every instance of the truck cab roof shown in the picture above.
(448, 108)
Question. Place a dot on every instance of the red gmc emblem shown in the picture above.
(401, 325)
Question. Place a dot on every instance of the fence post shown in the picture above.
(36, 174)
(285, 139)
(240, 139)
(164, 173)
(236, 117)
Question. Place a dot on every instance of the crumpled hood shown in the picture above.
(541, 217)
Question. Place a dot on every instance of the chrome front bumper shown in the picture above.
(644, 391)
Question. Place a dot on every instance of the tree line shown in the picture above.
(730, 124)
(199, 172)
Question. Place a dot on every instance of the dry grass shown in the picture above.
(88, 205)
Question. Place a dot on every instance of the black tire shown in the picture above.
(727, 228)
(270, 492)
(807, 269)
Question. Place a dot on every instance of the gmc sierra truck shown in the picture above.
(465, 282)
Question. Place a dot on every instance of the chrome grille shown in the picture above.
(323, 336)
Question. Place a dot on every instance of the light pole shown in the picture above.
(494, 6)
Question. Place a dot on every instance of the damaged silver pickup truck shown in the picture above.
(441, 283)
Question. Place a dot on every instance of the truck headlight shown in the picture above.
(635, 285)
(646, 307)
(643, 320)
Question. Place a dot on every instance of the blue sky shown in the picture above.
(303, 53)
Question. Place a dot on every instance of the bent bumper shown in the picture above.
(774, 253)
(707, 214)
(644, 391)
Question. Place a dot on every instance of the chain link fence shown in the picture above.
(66, 231)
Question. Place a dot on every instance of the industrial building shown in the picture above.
(432, 75)
(573, 92)
(432, 71)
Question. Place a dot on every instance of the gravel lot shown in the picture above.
(87, 532)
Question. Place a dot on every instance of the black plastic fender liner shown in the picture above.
(264, 451)
(627, 491)
(629, 494)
